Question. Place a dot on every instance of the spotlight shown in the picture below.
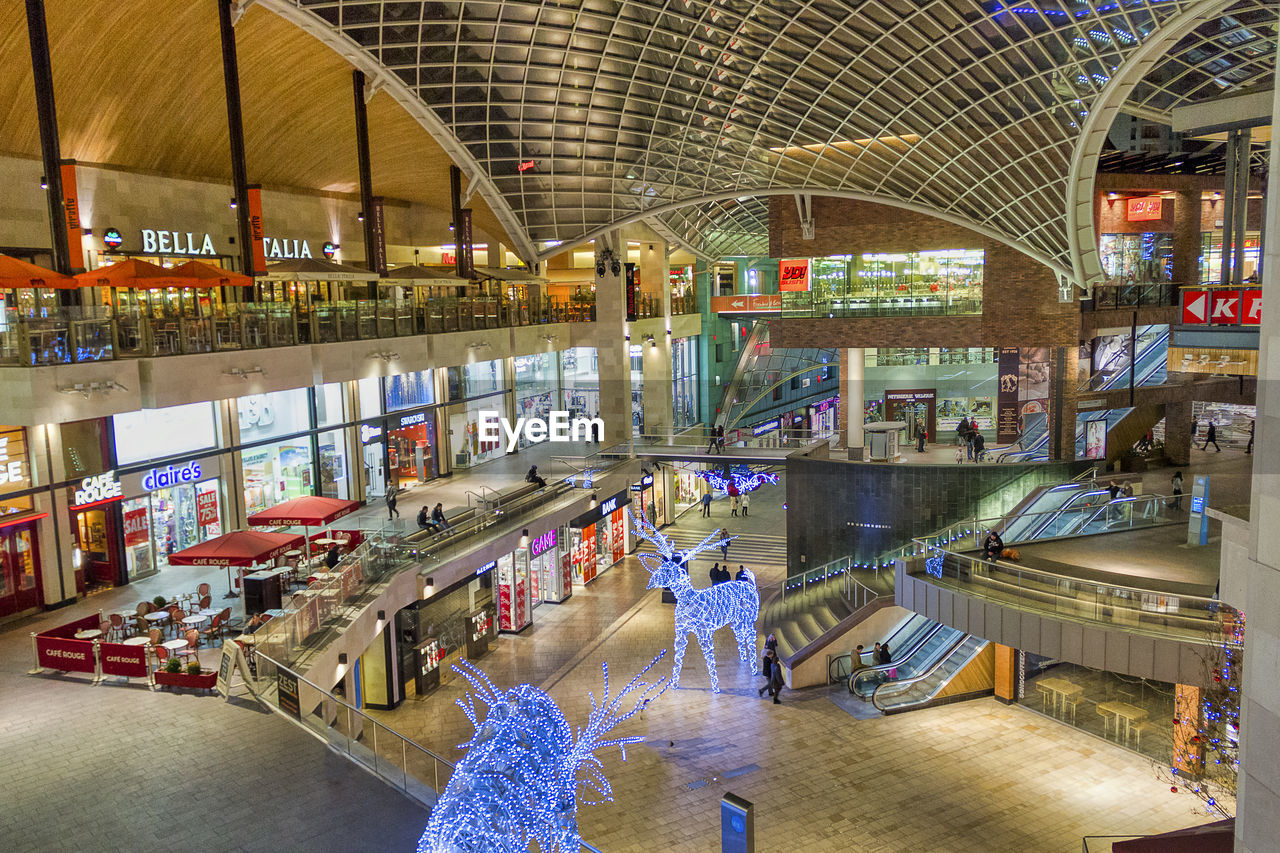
(233, 203)
(342, 657)
(44, 183)
(360, 216)
(382, 615)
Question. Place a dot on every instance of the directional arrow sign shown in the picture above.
(1195, 306)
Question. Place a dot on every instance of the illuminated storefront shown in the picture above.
(20, 582)
(599, 537)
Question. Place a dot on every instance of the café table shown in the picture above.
(88, 634)
(174, 645)
(194, 619)
(1061, 690)
(1131, 715)
(209, 612)
(157, 616)
(136, 641)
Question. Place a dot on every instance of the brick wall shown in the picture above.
(1020, 296)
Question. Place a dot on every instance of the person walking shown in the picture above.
(720, 439)
(392, 512)
(1211, 437)
(724, 545)
(766, 669)
(706, 504)
(920, 438)
(746, 501)
(979, 446)
(733, 505)
(1176, 503)
(776, 679)
(961, 429)
(712, 441)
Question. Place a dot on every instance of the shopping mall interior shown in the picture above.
(634, 426)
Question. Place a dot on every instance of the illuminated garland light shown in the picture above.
(701, 612)
(583, 480)
(741, 477)
(518, 783)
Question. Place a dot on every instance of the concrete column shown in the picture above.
(852, 369)
(1177, 433)
(1258, 811)
(1186, 238)
(611, 345)
(658, 403)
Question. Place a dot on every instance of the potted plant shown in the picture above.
(159, 601)
(173, 674)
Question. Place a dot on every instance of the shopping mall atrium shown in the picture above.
(639, 425)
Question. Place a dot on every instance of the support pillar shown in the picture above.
(235, 131)
(50, 147)
(612, 357)
(375, 251)
(1006, 674)
(655, 283)
(1177, 432)
(1186, 238)
(852, 369)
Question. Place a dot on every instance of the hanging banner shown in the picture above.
(1142, 209)
(632, 283)
(793, 275)
(135, 527)
(206, 508)
(1007, 396)
(466, 243)
(71, 209)
(256, 232)
(378, 251)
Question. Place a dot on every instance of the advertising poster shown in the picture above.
(1033, 381)
(793, 275)
(1007, 396)
(1095, 439)
(135, 527)
(206, 508)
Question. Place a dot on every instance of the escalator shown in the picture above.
(1149, 368)
(909, 663)
(958, 673)
(1024, 519)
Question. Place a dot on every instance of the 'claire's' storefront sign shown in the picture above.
(188, 243)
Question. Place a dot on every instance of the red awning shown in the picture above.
(238, 548)
(207, 275)
(306, 511)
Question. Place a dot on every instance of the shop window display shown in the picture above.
(1136, 258)
(942, 281)
(330, 408)
(411, 448)
(514, 591)
(334, 482)
(464, 432)
(276, 473)
(19, 569)
(410, 390)
(1211, 257)
(580, 382)
(537, 387)
(684, 382)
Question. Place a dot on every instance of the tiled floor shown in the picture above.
(971, 776)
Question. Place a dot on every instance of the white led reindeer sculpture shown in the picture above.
(701, 612)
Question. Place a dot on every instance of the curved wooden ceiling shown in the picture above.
(150, 98)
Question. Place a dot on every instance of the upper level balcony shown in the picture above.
(39, 335)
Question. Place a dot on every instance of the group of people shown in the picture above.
(435, 521)
(715, 441)
(970, 443)
(719, 575)
(771, 669)
(737, 502)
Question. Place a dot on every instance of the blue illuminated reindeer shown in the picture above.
(518, 783)
(701, 612)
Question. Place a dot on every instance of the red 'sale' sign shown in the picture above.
(1140, 209)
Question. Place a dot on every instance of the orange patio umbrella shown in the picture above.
(134, 274)
(16, 273)
(207, 275)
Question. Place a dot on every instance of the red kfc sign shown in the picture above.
(1251, 307)
(1140, 209)
(1225, 307)
(135, 527)
(1195, 307)
(793, 275)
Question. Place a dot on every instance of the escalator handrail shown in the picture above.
(1064, 508)
(835, 661)
(915, 679)
(894, 664)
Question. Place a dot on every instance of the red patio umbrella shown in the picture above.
(16, 273)
(306, 511)
(136, 274)
(207, 275)
(237, 548)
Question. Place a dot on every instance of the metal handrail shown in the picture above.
(899, 684)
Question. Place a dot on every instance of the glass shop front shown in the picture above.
(599, 537)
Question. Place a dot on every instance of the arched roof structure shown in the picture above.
(975, 110)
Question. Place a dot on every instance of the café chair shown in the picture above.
(117, 626)
(214, 629)
(193, 645)
(176, 615)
